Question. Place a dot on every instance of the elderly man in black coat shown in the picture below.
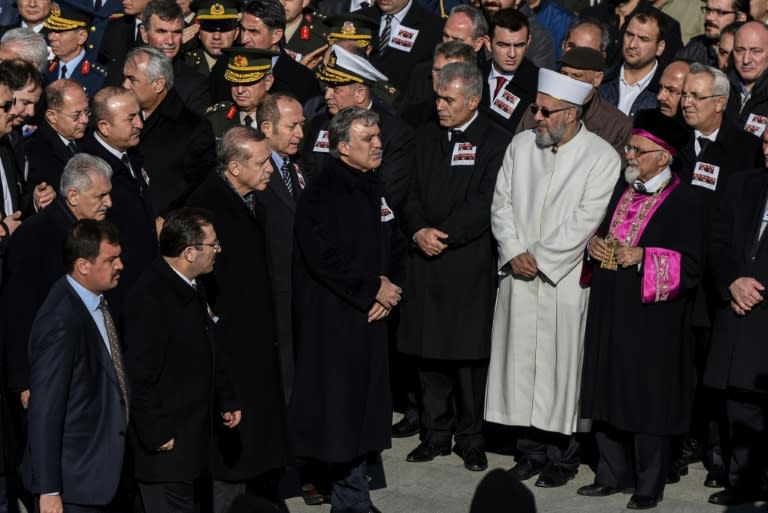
(177, 374)
(247, 458)
(347, 265)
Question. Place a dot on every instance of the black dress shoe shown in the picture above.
(729, 497)
(716, 478)
(426, 452)
(312, 495)
(404, 428)
(675, 472)
(643, 502)
(526, 469)
(474, 459)
(597, 490)
(554, 476)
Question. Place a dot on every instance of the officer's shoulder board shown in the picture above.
(218, 107)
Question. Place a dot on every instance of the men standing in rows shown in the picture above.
(510, 79)
(599, 116)
(550, 196)
(117, 125)
(725, 46)
(55, 141)
(177, 145)
(34, 259)
(176, 370)
(748, 103)
(407, 36)
(718, 14)
(121, 34)
(348, 79)
(249, 74)
(78, 411)
(262, 25)
(541, 50)
(218, 30)
(637, 386)
(280, 118)
(246, 460)
(637, 83)
(347, 271)
(68, 29)
(451, 280)
(671, 87)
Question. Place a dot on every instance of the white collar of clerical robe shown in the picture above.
(657, 181)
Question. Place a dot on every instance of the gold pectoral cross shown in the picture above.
(609, 260)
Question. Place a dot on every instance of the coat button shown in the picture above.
(122, 433)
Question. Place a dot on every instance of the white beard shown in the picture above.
(631, 173)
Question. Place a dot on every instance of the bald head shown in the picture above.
(670, 87)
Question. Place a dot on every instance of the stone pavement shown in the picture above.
(444, 486)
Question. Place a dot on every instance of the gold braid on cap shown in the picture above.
(349, 33)
(218, 12)
(58, 24)
(239, 72)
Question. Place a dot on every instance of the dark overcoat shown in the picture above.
(245, 336)
(448, 310)
(523, 85)
(341, 406)
(46, 157)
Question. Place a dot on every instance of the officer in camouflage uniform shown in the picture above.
(249, 72)
(218, 30)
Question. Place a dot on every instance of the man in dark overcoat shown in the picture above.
(446, 320)
(248, 458)
(347, 265)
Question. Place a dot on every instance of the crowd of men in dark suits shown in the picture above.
(234, 234)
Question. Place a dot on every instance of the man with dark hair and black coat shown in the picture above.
(248, 459)
(511, 80)
(541, 50)
(120, 34)
(180, 386)
(718, 14)
(263, 26)
(748, 101)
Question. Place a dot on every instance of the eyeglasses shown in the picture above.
(545, 112)
(7, 106)
(695, 98)
(637, 151)
(216, 245)
(76, 115)
(718, 12)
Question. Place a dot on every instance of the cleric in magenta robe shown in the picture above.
(638, 375)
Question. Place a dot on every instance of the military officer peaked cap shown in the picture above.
(69, 16)
(350, 27)
(247, 65)
(345, 68)
(218, 15)
(667, 132)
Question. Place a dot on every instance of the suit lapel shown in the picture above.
(278, 187)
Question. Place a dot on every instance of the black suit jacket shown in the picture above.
(46, 156)
(77, 419)
(398, 65)
(179, 151)
(171, 365)
(119, 36)
(524, 85)
(13, 174)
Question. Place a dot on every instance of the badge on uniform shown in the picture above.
(145, 176)
(505, 103)
(464, 154)
(321, 144)
(386, 212)
(299, 176)
(756, 124)
(705, 175)
(404, 38)
(296, 56)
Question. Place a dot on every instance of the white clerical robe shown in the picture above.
(548, 204)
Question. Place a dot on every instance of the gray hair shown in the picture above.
(454, 49)
(720, 84)
(30, 46)
(479, 23)
(232, 147)
(341, 123)
(468, 74)
(79, 171)
(158, 64)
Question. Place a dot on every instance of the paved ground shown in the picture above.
(444, 486)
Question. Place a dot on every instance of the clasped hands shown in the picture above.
(388, 296)
(230, 419)
(625, 256)
(429, 241)
(746, 292)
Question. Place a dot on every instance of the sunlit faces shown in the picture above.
(646, 156)
(249, 96)
(589, 76)
(205, 252)
(363, 150)
(700, 107)
(671, 86)
(285, 135)
(641, 43)
(67, 45)
(255, 34)
(136, 80)
(71, 119)
(93, 202)
(718, 14)
(458, 27)
(454, 108)
(123, 128)
(340, 97)
(254, 173)
(34, 11)
(26, 99)
(437, 65)
(750, 55)
(214, 40)
(391, 6)
(550, 129)
(134, 7)
(6, 118)
(508, 48)
(103, 272)
(491, 7)
(724, 51)
(587, 36)
(293, 8)
(164, 35)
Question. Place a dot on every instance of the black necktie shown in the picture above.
(71, 146)
(127, 163)
(285, 172)
(248, 121)
(64, 71)
(639, 187)
(114, 348)
(97, 5)
(455, 135)
(384, 39)
(703, 142)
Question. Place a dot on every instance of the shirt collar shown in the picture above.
(496, 73)
(401, 15)
(464, 127)
(191, 283)
(712, 137)
(72, 64)
(278, 160)
(654, 183)
(117, 153)
(643, 82)
(90, 299)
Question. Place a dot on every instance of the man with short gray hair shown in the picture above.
(451, 279)
(178, 145)
(25, 44)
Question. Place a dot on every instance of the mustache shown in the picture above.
(711, 24)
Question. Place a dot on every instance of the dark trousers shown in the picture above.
(548, 448)
(632, 460)
(77, 508)
(263, 487)
(349, 488)
(453, 395)
(747, 412)
(174, 497)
